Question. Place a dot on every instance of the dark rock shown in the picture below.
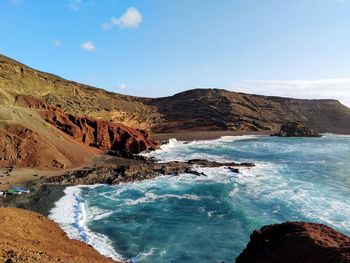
(296, 129)
(234, 170)
(206, 163)
(109, 173)
(294, 242)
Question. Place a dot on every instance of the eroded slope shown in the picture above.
(193, 110)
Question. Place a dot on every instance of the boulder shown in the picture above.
(296, 129)
(294, 242)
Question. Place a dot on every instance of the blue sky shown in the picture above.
(296, 48)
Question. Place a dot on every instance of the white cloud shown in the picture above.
(75, 5)
(122, 86)
(57, 43)
(338, 89)
(132, 18)
(88, 46)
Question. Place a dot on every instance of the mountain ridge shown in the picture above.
(191, 110)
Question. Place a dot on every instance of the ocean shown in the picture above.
(209, 218)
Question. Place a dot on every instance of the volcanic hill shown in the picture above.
(193, 110)
(49, 122)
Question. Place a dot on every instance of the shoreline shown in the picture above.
(205, 135)
(45, 191)
(41, 199)
(22, 176)
(44, 194)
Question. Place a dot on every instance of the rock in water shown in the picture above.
(296, 129)
(294, 242)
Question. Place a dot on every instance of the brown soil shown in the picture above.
(26, 140)
(29, 237)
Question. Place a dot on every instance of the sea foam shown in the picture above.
(71, 215)
(176, 150)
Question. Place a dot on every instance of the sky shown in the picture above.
(153, 48)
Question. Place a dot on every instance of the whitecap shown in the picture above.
(176, 150)
(151, 197)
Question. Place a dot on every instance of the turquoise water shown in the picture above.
(209, 218)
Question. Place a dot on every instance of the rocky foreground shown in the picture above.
(30, 237)
(294, 242)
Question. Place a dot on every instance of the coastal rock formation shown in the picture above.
(296, 129)
(29, 237)
(193, 110)
(137, 171)
(293, 242)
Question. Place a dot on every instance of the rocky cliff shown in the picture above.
(35, 134)
(194, 110)
(296, 242)
(100, 134)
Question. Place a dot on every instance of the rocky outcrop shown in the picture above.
(294, 242)
(137, 171)
(103, 135)
(35, 134)
(29, 237)
(193, 110)
(296, 129)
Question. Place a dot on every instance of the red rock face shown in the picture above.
(23, 147)
(31, 102)
(293, 242)
(103, 135)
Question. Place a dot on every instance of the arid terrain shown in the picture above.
(34, 238)
(48, 122)
(193, 110)
(51, 127)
